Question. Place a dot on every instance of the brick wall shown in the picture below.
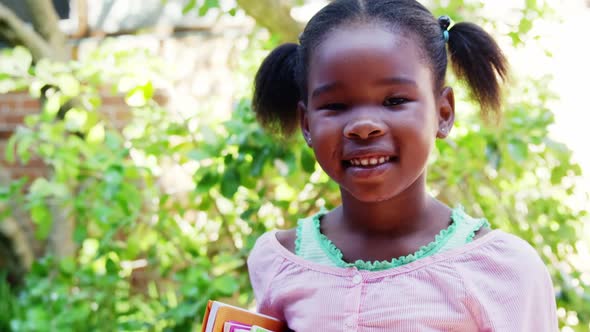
(14, 107)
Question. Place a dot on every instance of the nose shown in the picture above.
(364, 128)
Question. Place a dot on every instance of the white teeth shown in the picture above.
(369, 161)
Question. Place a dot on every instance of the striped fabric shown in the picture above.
(494, 283)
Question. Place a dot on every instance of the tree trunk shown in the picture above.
(61, 238)
(46, 23)
(16, 239)
(275, 15)
(16, 32)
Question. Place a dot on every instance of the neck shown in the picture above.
(401, 215)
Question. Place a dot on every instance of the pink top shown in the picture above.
(495, 283)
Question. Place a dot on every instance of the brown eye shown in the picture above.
(390, 102)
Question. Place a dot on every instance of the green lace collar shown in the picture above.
(335, 255)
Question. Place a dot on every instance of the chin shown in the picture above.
(372, 196)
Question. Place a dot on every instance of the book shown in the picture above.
(234, 326)
(239, 327)
(218, 314)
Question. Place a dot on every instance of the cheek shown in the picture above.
(326, 137)
(325, 129)
(416, 136)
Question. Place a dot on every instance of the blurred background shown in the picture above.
(134, 179)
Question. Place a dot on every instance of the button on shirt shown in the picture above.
(357, 279)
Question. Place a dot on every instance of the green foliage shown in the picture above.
(7, 303)
(148, 255)
(203, 7)
(147, 258)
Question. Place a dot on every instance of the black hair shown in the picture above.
(281, 81)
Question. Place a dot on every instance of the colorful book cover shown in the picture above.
(236, 327)
(218, 313)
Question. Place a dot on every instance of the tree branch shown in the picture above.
(273, 15)
(82, 13)
(16, 32)
(46, 22)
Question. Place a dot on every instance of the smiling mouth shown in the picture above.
(368, 162)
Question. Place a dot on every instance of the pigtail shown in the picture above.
(276, 92)
(477, 59)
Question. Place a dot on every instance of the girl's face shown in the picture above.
(372, 113)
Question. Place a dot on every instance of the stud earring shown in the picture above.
(308, 139)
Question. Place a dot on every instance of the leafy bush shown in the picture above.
(146, 258)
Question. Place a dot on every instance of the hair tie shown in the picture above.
(444, 22)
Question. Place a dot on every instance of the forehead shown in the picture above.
(364, 51)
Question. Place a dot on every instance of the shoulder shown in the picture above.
(504, 256)
(268, 247)
(264, 261)
(263, 245)
(287, 238)
(507, 285)
(507, 245)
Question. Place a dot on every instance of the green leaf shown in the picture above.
(525, 26)
(515, 36)
(9, 153)
(189, 6)
(23, 149)
(226, 285)
(41, 216)
(96, 134)
(557, 174)
(140, 95)
(230, 182)
(67, 265)
(198, 155)
(80, 233)
(52, 105)
(518, 150)
(307, 160)
(247, 180)
(76, 119)
(208, 5)
(111, 266)
(16, 62)
(258, 163)
(207, 182)
(68, 85)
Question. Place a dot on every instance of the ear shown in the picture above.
(304, 122)
(446, 112)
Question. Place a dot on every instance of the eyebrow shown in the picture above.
(324, 88)
(397, 80)
(385, 81)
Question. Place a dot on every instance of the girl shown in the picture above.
(366, 86)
